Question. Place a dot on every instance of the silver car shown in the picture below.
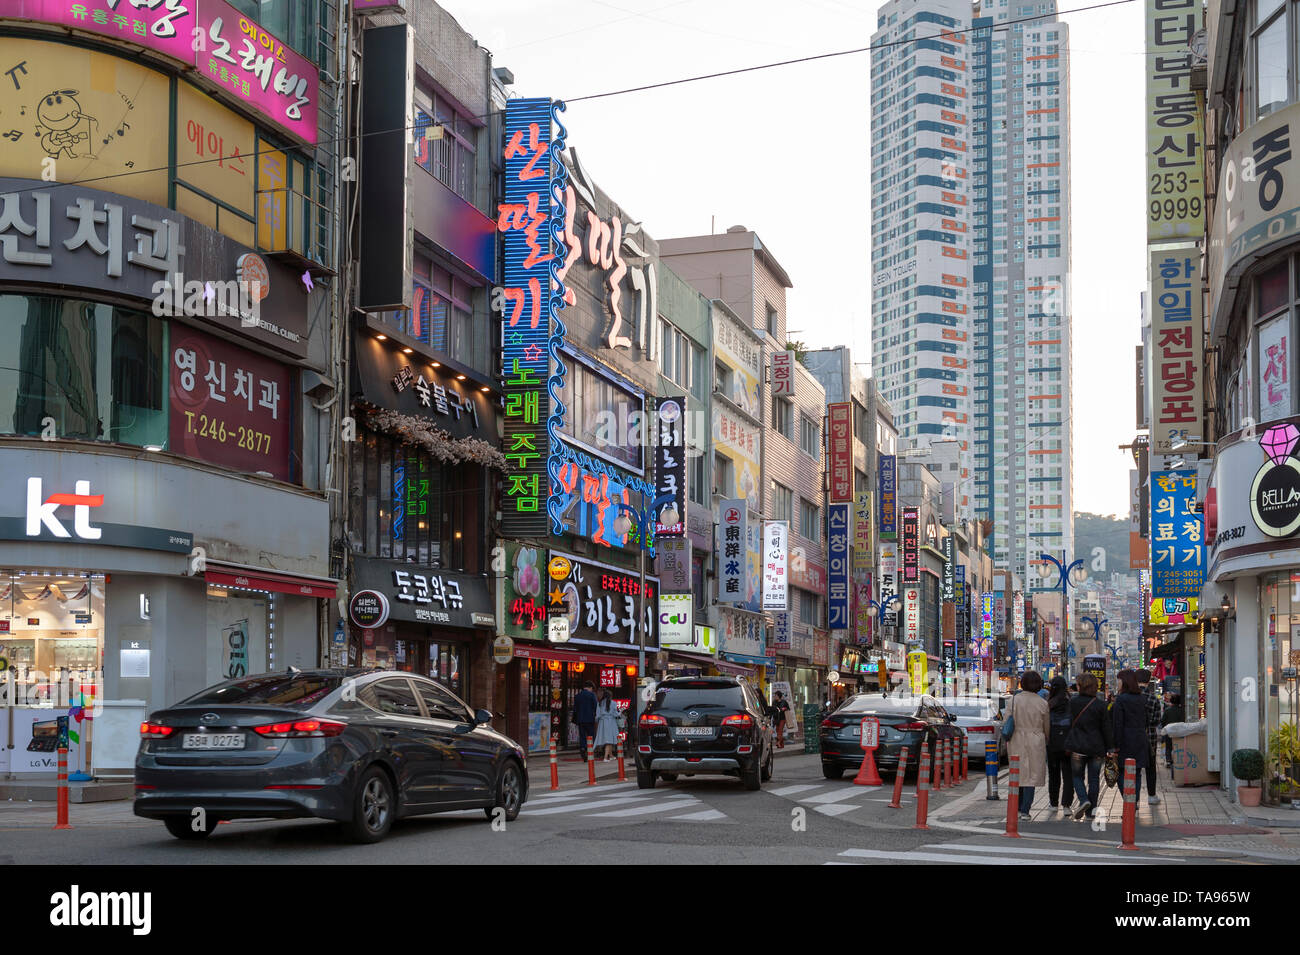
(980, 718)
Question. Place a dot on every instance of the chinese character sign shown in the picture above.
(1177, 535)
(783, 374)
(911, 545)
(1175, 137)
(840, 441)
(775, 565)
(732, 559)
(670, 468)
(523, 221)
(837, 547)
(888, 497)
(674, 555)
(1176, 342)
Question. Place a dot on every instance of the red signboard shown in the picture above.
(870, 732)
(611, 676)
(228, 406)
(840, 439)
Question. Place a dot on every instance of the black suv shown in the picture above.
(711, 725)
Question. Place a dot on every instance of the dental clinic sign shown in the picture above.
(55, 514)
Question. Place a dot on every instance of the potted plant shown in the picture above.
(1284, 756)
(1248, 764)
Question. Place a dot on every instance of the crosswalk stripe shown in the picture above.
(836, 795)
(836, 809)
(707, 816)
(642, 810)
(1018, 850)
(791, 790)
(951, 858)
(580, 793)
(586, 804)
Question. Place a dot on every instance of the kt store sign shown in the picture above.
(83, 514)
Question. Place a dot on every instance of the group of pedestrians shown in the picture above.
(599, 720)
(1071, 729)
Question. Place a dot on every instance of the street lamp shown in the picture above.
(878, 608)
(1064, 570)
(1096, 626)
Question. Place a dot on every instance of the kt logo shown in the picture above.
(42, 512)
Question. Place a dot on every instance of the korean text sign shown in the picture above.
(911, 545)
(889, 583)
(600, 602)
(1177, 536)
(528, 250)
(783, 374)
(888, 497)
(1175, 134)
(732, 559)
(837, 546)
(949, 576)
(670, 467)
(863, 558)
(228, 406)
(840, 439)
(775, 565)
(1176, 342)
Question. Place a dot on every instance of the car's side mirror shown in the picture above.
(482, 716)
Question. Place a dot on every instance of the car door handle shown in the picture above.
(389, 733)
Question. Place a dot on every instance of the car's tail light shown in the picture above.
(151, 730)
(652, 719)
(740, 719)
(643, 749)
(833, 725)
(909, 727)
(301, 728)
(979, 729)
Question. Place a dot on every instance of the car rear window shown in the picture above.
(978, 710)
(681, 696)
(877, 704)
(276, 689)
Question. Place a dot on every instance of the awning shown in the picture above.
(544, 652)
(1166, 651)
(703, 660)
(225, 575)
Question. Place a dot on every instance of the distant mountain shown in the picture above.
(1107, 532)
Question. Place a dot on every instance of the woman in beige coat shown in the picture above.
(1029, 739)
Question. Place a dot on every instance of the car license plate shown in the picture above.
(695, 731)
(213, 741)
(855, 731)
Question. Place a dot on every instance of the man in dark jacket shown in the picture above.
(584, 714)
(1129, 724)
(1060, 790)
(1088, 741)
(1154, 710)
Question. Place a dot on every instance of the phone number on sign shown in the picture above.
(246, 438)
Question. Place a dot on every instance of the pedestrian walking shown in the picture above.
(584, 714)
(1174, 713)
(607, 717)
(1129, 724)
(779, 710)
(1030, 729)
(1060, 784)
(1087, 741)
(1154, 710)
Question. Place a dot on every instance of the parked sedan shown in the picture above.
(981, 720)
(911, 721)
(361, 747)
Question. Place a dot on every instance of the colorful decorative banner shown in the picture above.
(1168, 611)
(837, 550)
(839, 441)
(1177, 535)
(863, 560)
(776, 551)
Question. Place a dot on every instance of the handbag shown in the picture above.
(1111, 772)
(1009, 726)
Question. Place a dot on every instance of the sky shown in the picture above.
(786, 152)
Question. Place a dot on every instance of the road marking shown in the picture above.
(836, 795)
(580, 793)
(707, 816)
(1018, 850)
(580, 806)
(670, 806)
(836, 810)
(901, 856)
(791, 790)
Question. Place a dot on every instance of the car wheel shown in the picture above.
(766, 774)
(645, 779)
(752, 777)
(832, 772)
(373, 807)
(668, 777)
(510, 792)
(182, 827)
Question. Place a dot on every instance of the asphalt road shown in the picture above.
(799, 817)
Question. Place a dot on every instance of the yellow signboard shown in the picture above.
(68, 114)
(272, 200)
(1170, 611)
(917, 664)
(214, 149)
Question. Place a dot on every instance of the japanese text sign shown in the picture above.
(840, 440)
(600, 602)
(528, 248)
(783, 374)
(1177, 536)
(228, 406)
(837, 548)
(911, 545)
(1176, 343)
(732, 558)
(670, 467)
(1175, 134)
(775, 565)
(888, 497)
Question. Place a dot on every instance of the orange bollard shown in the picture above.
(923, 789)
(61, 812)
(555, 768)
(622, 771)
(948, 780)
(965, 759)
(1128, 831)
(898, 780)
(1013, 801)
(591, 762)
(936, 783)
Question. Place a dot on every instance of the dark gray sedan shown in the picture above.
(357, 746)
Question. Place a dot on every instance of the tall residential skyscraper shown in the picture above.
(970, 237)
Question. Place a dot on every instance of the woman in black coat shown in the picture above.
(1060, 790)
(1129, 725)
(1088, 741)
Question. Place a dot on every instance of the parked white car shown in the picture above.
(981, 720)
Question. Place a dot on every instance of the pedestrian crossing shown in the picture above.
(623, 801)
(951, 853)
(834, 798)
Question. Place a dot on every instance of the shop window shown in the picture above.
(1271, 290)
(237, 634)
(99, 371)
(602, 415)
(55, 633)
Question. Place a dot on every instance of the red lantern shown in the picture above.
(579, 667)
(552, 664)
(631, 669)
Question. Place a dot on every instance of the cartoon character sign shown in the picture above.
(66, 129)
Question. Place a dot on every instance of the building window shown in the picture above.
(292, 21)
(810, 608)
(722, 378)
(771, 320)
(724, 476)
(604, 417)
(697, 480)
(782, 503)
(810, 520)
(810, 436)
(449, 158)
(783, 417)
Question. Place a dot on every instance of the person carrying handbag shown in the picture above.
(1060, 785)
(1027, 729)
(1088, 741)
